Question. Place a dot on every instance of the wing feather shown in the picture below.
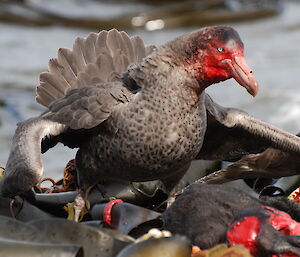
(87, 107)
(98, 58)
(232, 133)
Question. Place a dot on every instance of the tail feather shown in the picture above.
(90, 48)
(66, 61)
(114, 41)
(128, 46)
(139, 47)
(56, 68)
(55, 87)
(101, 42)
(44, 97)
(97, 58)
(79, 56)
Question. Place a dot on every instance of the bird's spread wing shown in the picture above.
(82, 88)
(232, 134)
(95, 59)
(272, 163)
(81, 108)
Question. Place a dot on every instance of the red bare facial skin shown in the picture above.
(218, 62)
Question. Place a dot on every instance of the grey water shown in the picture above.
(272, 48)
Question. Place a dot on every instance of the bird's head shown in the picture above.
(216, 54)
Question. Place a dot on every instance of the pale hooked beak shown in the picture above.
(242, 73)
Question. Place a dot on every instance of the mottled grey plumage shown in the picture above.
(136, 113)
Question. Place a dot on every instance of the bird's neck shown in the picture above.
(164, 75)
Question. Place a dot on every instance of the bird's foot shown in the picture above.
(71, 210)
(170, 200)
(81, 207)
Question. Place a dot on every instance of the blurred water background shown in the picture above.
(271, 45)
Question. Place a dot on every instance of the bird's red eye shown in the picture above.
(220, 49)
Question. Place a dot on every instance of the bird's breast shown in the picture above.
(158, 137)
(145, 142)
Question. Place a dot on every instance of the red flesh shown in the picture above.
(283, 222)
(246, 230)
